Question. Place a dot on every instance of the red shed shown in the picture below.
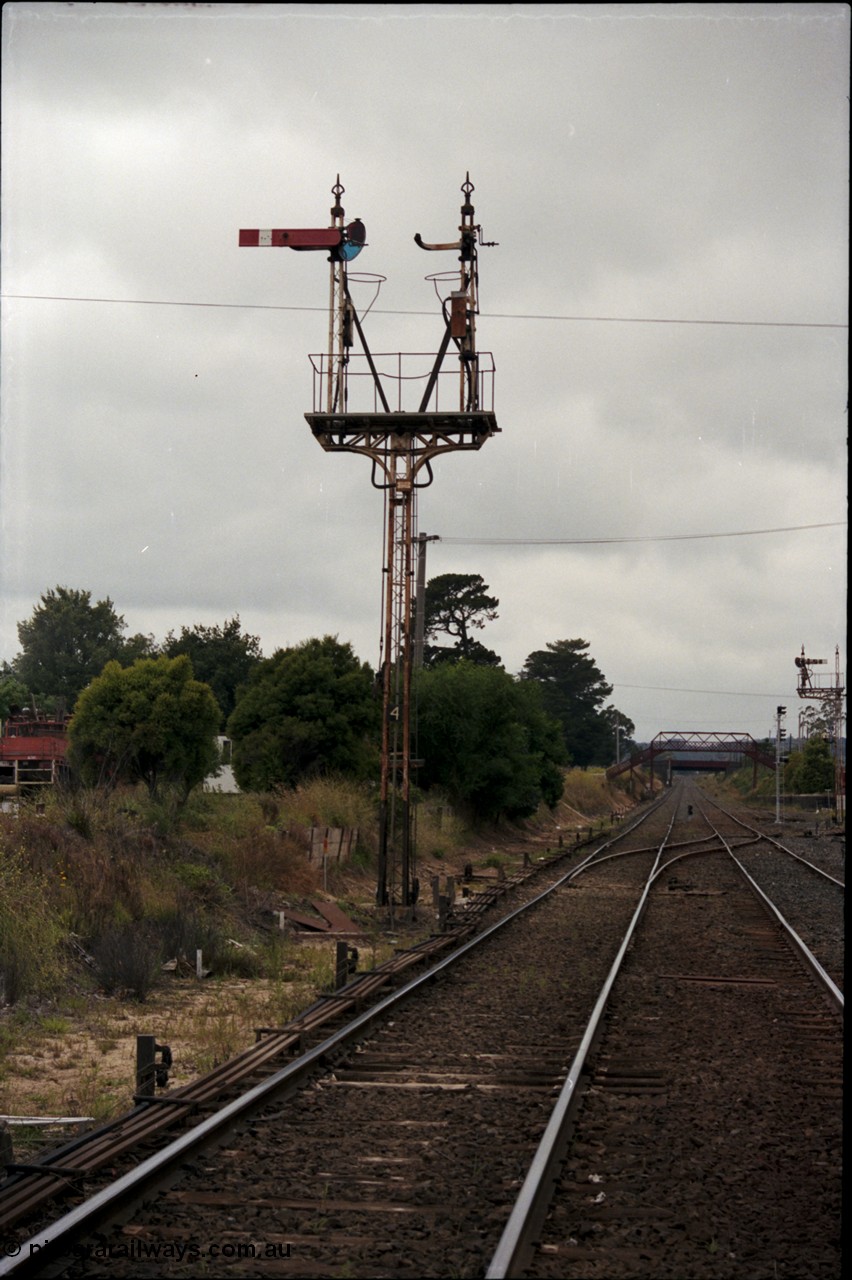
(33, 751)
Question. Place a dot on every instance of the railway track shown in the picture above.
(91, 1159)
(706, 1139)
(399, 1147)
(807, 887)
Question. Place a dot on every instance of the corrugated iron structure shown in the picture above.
(33, 752)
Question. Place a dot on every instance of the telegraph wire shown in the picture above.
(661, 537)
(488, 315)
(725, 693)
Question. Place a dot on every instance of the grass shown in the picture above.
(91, 873)
(82, 1062)
(591, 794)
(55, 1025)
(31, 933)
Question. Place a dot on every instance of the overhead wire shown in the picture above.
(659, 537)
(725, 693)
(381, 311)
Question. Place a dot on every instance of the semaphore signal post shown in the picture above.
(362, 403)
(829, 692)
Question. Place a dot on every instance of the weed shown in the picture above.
(327, 801)
(204, 882)
(286, 1001)
(588, 791)
(54, 1025)
(128, 958)
(28, 1141)
(31, 959)
(99, 1096)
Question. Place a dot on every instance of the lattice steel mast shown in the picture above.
(830, 695)
(358, 408)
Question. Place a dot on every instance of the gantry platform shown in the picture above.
(459, 430)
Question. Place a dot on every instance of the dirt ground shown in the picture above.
(82, 1061)
(77, 1058)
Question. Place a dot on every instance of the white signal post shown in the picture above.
(780, 735)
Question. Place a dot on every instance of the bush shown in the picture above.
(184, 931)
(486, 741)
(128, 959)
(31, 959)
(330, 801)
(151, 722)
(306, 712)
(588, 791)
(811, 769)
(205, 883)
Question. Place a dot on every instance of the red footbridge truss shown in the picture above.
(686, 749)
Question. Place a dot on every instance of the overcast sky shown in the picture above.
(667, 308)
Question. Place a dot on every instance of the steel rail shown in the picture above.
(533, 1200)
(762, 835)
(534, 1197)
(685, 851)
(685, 845)
(25, 1191)
(678, 845)
(804, 952)
(40, 1249)
(831, 989)
(56, 1173)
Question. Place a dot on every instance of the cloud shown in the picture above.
(652, 163)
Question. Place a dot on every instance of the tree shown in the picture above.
(573, 691)
(811, 769)
(222, 657)
(309, 709)
(487, 741)
(819, 719)
(152, 722)
(455, 604)
(618, 731)
(13, 694)
(68, 641)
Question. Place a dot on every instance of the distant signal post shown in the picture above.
(830, 693)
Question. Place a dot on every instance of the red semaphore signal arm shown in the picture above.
(347, 241)
(324, 238)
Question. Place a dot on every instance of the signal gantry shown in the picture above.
(361, 405)
(820, 688)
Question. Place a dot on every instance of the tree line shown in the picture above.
(150, 712)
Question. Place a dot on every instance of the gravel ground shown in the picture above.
(810, 903)
(405, 1162)
(726, 1164)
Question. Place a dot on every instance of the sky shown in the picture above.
(666, 305)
